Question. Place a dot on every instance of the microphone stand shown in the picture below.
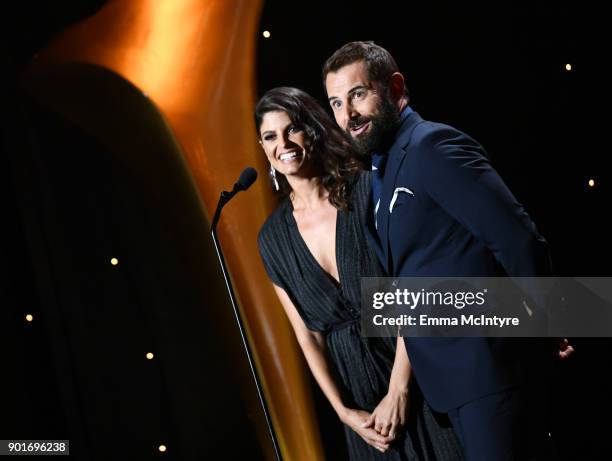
(223, 199)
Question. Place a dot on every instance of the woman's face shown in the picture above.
(283, 142)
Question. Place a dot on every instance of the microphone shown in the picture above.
(246, 179)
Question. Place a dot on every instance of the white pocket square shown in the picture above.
(395, 195)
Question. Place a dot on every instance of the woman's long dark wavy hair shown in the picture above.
(328, 145)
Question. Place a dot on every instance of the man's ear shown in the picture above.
(396, 86)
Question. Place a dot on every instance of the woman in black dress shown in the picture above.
(314, 249)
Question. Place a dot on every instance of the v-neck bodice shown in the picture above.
(299, 240)
(322, 302)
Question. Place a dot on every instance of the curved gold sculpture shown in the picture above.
(195, 59)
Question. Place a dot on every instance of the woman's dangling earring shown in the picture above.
(273, 176)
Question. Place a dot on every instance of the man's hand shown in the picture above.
(563, 349)
(389, 416)
(356, 419)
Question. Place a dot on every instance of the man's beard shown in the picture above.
(382, 130)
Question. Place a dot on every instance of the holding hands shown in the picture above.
(356, 420)
(380, 427)
(390, 414)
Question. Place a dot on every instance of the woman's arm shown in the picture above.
(402, 370)
(314, 349)
(390, 414)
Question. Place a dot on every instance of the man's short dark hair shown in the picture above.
(380, 65)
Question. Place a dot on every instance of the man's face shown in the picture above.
(361, 107)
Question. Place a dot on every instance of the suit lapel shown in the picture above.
(397, 153)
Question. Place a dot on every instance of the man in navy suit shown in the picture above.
(440, 210)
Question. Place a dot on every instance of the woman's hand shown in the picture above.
(389, 416)
(356, 420)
